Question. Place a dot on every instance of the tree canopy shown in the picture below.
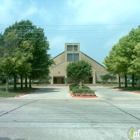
(124, 57)
(24, 51)
(79, 71)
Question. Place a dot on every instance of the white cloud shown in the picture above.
(57, 42)
(15, 10)
(29, 11)
(8, 10)
(102, 11)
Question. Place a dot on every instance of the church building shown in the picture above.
(72, 53)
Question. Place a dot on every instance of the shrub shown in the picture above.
(87, 91)
(72, 86)
(85, 87)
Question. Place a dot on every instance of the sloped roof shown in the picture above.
(93, 59)
(58, 55)
(85, 55)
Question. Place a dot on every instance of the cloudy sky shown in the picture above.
(96, 24)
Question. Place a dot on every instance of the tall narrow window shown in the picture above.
(69, 57)
(72, 57)
(72, 47)
(75, 47)
(69, 47)
(76, 57)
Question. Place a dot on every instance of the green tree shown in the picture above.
(113, 78)
(41, 59)
(113, 62)
(79, 71)
(105, 78)
(15, 36)
(25, 52)
(6, 60)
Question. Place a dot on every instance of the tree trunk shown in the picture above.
(125, 80)
(133, 80)
(26, 82)
(80, 85)
(30, 83)
(21, 81)
(119, 81)
(7, 84)
(15, 82)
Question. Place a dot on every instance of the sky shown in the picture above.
(96, 24)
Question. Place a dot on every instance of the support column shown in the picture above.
(51, 80)
(93, 76)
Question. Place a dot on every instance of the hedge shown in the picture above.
(87, 91)
(76, 90)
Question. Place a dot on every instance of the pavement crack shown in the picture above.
(17, 108)
(122, 110)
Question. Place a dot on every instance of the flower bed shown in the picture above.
(75, 91)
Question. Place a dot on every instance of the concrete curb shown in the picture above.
(19, 95)
(136, 92)
(78, 96)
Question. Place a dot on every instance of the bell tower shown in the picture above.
(72, 52)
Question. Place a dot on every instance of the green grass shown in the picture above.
(137, 88)
(12, 92)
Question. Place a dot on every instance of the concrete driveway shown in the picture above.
(59, 116)
(115, 94)
(49, 92)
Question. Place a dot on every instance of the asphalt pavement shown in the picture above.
(52, 114)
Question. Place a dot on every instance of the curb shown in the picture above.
(78, 96)
(19, 95)
(136, 92)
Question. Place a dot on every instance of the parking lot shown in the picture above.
(51, 113)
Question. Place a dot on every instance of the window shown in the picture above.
(72, 47)
(69, 57)
(76, 57)
(72, 57)
(75, 47)
(69, 47)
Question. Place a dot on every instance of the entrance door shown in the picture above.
(90, 80)
(58, 80)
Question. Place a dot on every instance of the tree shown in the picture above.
(112, 78)
(105, 78)
(114, 62)
(15, 42)
(41, 59)
(24, 52)
(79, 71)
(123, 60)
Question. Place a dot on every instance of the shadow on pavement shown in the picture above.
(47, 90)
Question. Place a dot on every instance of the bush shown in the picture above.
(85, 87)
(87, 91)
(84, 91)
(73, 86)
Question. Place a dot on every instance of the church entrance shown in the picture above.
(58, 80)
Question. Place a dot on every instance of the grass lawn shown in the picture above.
(136, 88)
(12, 92)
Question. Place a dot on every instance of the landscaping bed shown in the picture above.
(85, 91)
